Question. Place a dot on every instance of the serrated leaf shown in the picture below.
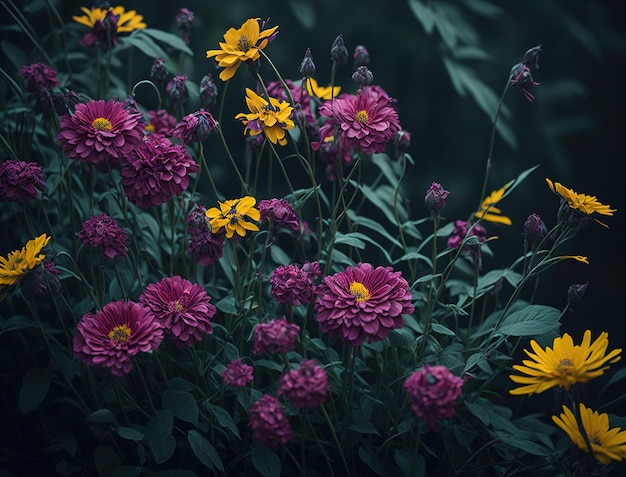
(532, 320)
(204, 451)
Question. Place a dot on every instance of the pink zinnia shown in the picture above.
(183, 308)
(238, 374)
(433, 391)
(20, 180)
(99, 131)
(279, 212)
(104, 233)
(112, 336)
(277, 336)
(39, 76)
(156, 170)
(205, 246)
(305, 387)
(365, 121)
(294, 284)
(269, 422)
(362, 302)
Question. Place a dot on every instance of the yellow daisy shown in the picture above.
(606, 444)
(241, 45)
(271, 118)
(18, 262)
(128, 20)
(564, 364)
(489, 212)
(587, 204)
(231, 216)
(321, 92)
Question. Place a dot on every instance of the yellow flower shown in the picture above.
(564, 364)
(578, 258)
(241, 45)
(231, 216)
(586, 204)
(489, 212)
(270, 118)
(127, 20)
(607, 444)
(321, 92)
(18, 262)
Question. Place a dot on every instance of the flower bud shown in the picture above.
(338, 51)
(208, 91)
(575, 292)
(307, 67)
(533, 229)
(363, 76)
(176, 90)
(361, 56)
(402, 140)
(184, 20)
(435, 198)
(531, 57)
(158, 72)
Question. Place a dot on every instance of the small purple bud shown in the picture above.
(576, 292)
(363, 76)
(307, 67)
(533, 229)
(435, 198)
(361, 56)
(531, 57)
(338, 51)
(158, 72)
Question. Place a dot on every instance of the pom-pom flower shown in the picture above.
(362, 302)
(279, 212)
(183, 308)
(20, 180)
(433, 391)
(238, 374)
(39, 76)
(112, 336)
(294, 284)
(104, 233)
(306, 386)
(269, 423)
(277, 336)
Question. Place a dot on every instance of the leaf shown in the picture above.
(204, 451)
(224, 419)
(227, 305)
(442, 330)
(366, 222)
(265, 461)
(472, 361)
(129, 433)
(279, 256)
(159, 436)
(304, 12)
(169, 39)
(182, 404)
(530, 321)
(101, 416)
(424, 14)
(106, 460)
(35, 386)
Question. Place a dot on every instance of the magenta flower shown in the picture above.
(275, 337)
(183, 308)
(205, 246)
(365, 121)
(238, 374)
(460, 231)
(279, 212)
(104, 233)
(39, 76)
(160, 123)
(195, 127)
(269, 423)
(42, 280)
(305, 387)
(156, 170)
(294, 284)
(20, 180)
(433, 391)
(112, 336)
(99, 131)
(362, 302)
(176, 91)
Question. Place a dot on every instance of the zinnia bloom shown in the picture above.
(269, 422)
(19, 262)
(607, 444)
(157, 170)
(20, 180)
(99, 131)
(160, 123)
(241, 45)
(205, 246)
(231, 216)
(104, 233)
(564, 364)
(585, 204)
(362, 302)
(271, 118)
(238, 374)
(306, 386)
(112, 336)
(279, 212)
(294, 284)
(433, 391)
(127, 20)
(363, 121)
(277, 336)
(183, 308)
(489, 212)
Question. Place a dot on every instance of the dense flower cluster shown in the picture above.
(205, 246)
(306, 386)
(279, 212)
(160, 123)
(39, 76)
(20, 180)
(459, 233)
(269, 422)
(294, 284)
(195, 127)
(276, 336)
(238, 374)
(104, 233)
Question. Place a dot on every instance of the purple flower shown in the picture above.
(176, 91)
(20, 180)
(362, 302)
(39, 76)
(104, 31)
(294, 284)
(460, 231)
(269, 423)
(205, 246)
(277, 336)
(208, 91)
(435, 198)
(42, 280)
(157, 170)
(158, 71)
(183, 308)
(100, 131)
(238, 374)
(184, 20)
(305, 387)
(279, 212)
(112, 336)
(161, 123)
(522, 80)
(433, 391)
(533, 229)
(104, 233)
(195, 127)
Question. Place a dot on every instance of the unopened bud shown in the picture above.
(363, 76)
(576, 292)
(338, 51)
(158, 72)
(361, 56)
(307, 67)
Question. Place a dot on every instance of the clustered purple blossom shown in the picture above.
(305, 387)
(176, 90)
(205, 246)
(460, 231)
(433, 391)
(39, 76)
(238, 374)
(104, 233)
(20, 180)
(279, 212)
(294, 284)
(274, 337)
(195, 127)
(161, 123)
(269, 422)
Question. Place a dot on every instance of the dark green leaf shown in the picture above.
(442, 330)
(532, 320)
(182, 404)
(129, 433)
(224, 419)
(169, 39)
(159, 436)
(106, 460)
(265, 461)
(424, 14)
(204, 451)
(304, 12)
(101, 416)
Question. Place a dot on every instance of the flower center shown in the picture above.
(565, 363)
(595, 440)
(362, 116)
(360, 292)
(16, 263)
(102, 124)
(242, 44)
(119, 334)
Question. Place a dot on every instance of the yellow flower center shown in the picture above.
(102, 124)
(17, 261)
(362, 116)
(360, 292)
(119, 334)
(565, 363)
(242, 44)
(177, 306)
